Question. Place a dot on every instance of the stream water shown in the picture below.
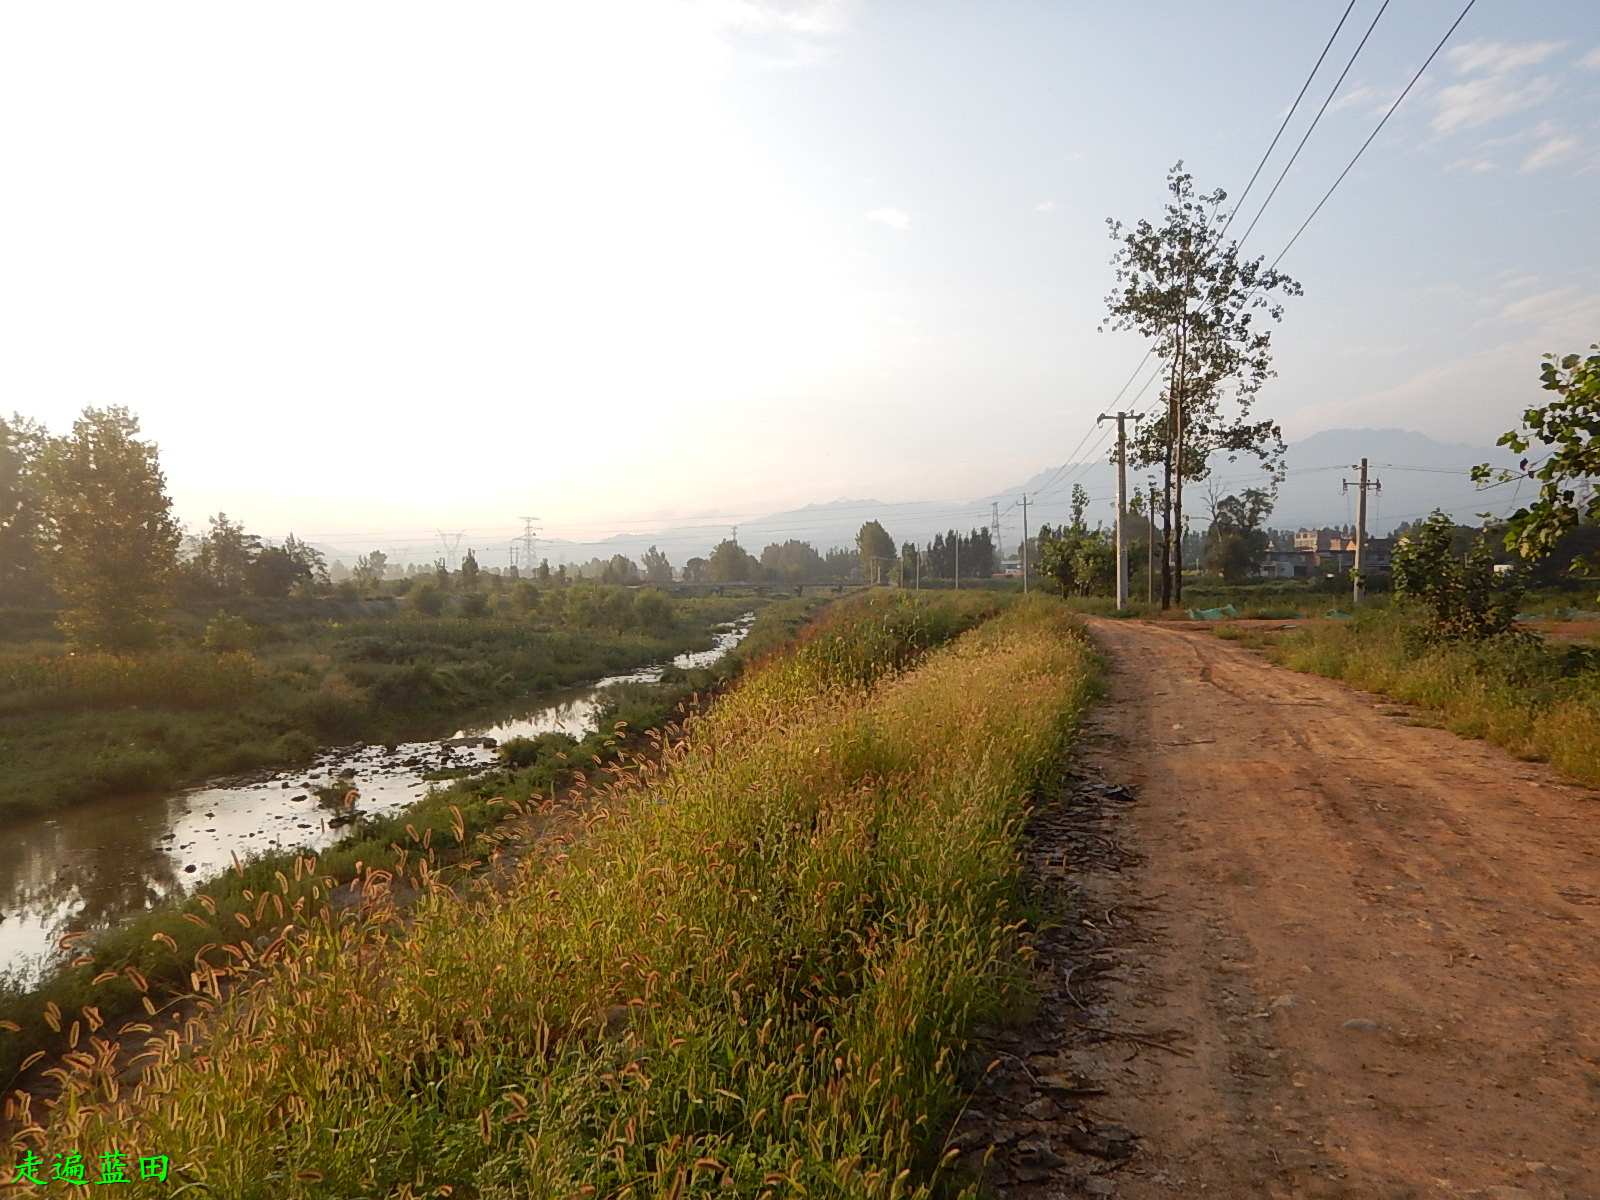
(88, 868)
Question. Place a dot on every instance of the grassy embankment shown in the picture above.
(753, 975)
(78, 727)
(1539, 699)
(446, 834)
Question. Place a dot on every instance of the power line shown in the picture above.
(1337, 83)
(1370, 137)
(1243, 196)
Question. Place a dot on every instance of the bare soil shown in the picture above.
(1315, 949)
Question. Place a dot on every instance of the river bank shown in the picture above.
(81, 728)
(149, 961)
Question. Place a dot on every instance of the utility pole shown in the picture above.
(1024, 545)
(994, 527)
(1358, 593)
(1122, 501)
(1150, 544)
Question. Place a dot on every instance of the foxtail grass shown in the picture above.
(753, 974)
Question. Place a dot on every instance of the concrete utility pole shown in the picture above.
(994, 526)
(1122, 501)
(1150, 544)
(1024, 545)
(1358, 593)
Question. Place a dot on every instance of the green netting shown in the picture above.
(1226, 613)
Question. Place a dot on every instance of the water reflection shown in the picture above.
(101, 862)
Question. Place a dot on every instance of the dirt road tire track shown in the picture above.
(1381, 941)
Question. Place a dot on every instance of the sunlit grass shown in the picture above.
(753, 974)
(1540, 701)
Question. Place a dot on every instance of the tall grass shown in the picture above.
(1539, 700)
(753, 975)
(81, 727)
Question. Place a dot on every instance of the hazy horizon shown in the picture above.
(365, 272)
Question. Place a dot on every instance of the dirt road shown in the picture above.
(1373, 947)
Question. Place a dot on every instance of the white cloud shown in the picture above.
(1476, 165)
(1380, 98)
(1558, 307)
(1464, 105)
(892, 217)
(1045, 206)
(778, 33)
(1591, 59)
(1497, 57)
(1555, 150)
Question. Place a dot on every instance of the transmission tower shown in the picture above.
(528, 540)
(451, 543)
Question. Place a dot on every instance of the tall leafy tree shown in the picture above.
(109, 520)
(1568, 429)
(1188, 292)
(372, 566)
(657, 569)
(731, 563)
(223, 557)
(22, 568)
(876, 548)
(1235, 542)
(793, 561)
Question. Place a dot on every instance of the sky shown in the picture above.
(367, 271)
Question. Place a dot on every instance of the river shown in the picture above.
(87, 868)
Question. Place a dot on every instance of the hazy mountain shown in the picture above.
(1416, 473)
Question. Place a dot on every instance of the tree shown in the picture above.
(109, 519)
(731, 563)
(371, 568)
(1081, 560)
(1190, 294)
(876, 548)
(469, 571)
(1467, 600)
(22, 569)
(313, 562)
(694, 571)
(274, 572)
(793, 561)
(426, 599)
(1235, 541)
(656, 567)
(223, 556)
(1567, 494)
(619, 569)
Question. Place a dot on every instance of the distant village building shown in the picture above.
(1326, 551)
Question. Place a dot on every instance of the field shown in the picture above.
(753, 972)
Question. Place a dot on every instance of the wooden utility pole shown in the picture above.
(1358, 592)
(1122, 501)
(1024, 545)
